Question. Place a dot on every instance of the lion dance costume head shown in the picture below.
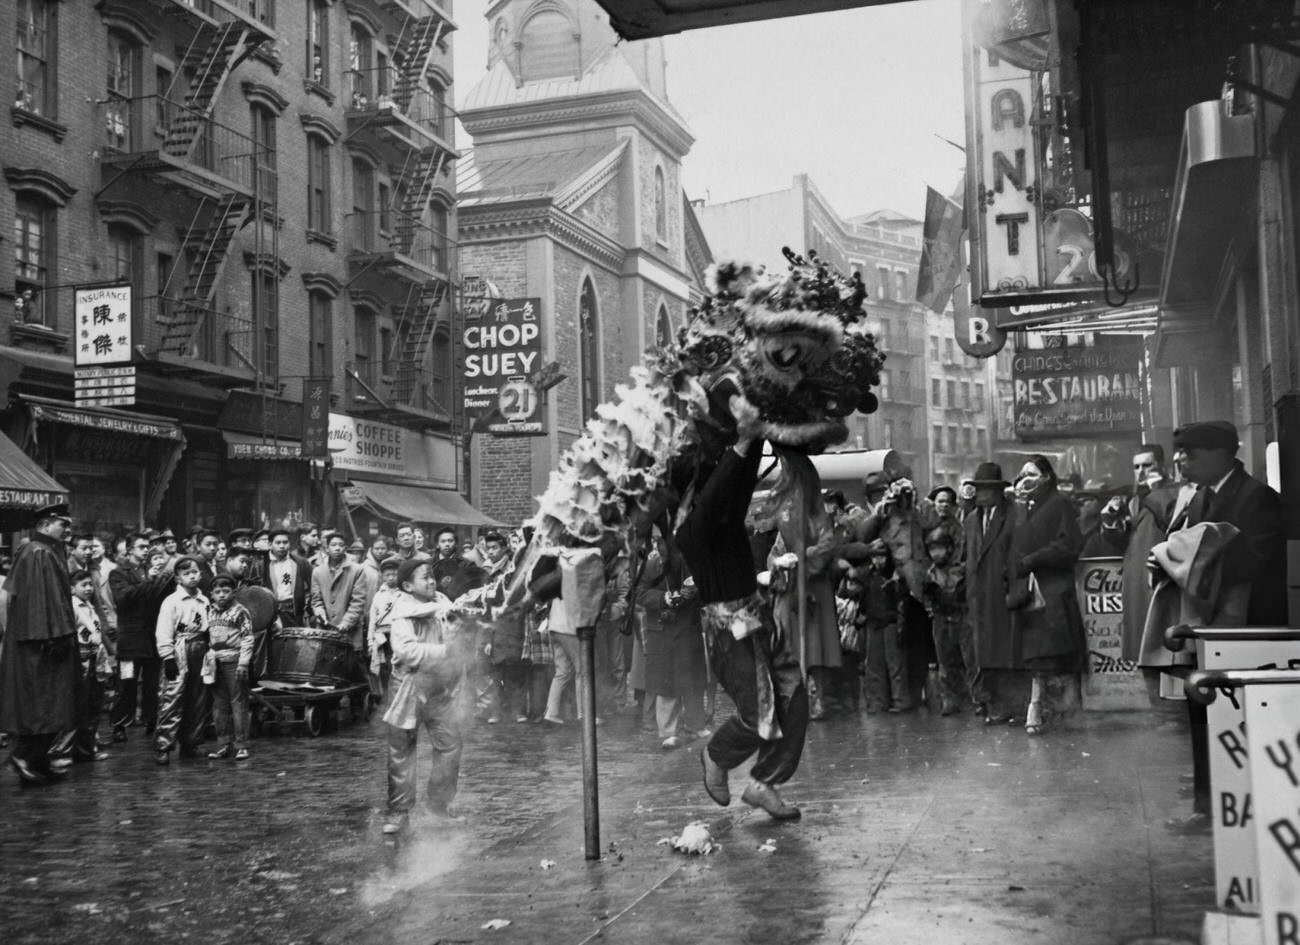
(791, 345)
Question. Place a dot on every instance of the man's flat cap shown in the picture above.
(1207, 435)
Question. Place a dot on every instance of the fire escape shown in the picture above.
(168, 151)
(398, 248)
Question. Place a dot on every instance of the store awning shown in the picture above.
(105, 419)
(23, 484)
(420, 504)
(243, 446)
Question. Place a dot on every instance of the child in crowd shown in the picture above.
(92, 651)
(230, 636)
(944, 595)
(182, 639)
(381, 620)
(885, 665)
(852, 623)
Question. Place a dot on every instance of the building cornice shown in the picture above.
(540, 217)
(522, 118)
(651, 268)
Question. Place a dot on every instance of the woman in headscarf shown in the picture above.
(1047, 627)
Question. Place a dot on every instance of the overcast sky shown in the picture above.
(853, 98)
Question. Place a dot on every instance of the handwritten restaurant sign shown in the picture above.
(1078, 391)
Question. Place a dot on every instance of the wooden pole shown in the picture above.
(587, 705)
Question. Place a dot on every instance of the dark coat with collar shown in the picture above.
(137, 598)
(986, 586)
(301, 584)
(1257, 556)
(1045, 542)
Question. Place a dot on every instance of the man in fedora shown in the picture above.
(38, 664)
(987, 534)
(1253, 565)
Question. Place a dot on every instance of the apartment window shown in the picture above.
(966, 439)
(936, 392)
(439, 113)
(938, 438)
(363, 342)
(965, 394)
(952, 439)
(884, 331)
(262, 123)
(266, 308)
(934, 349)
(319, 363)
(979, 396)
(363, 206)
(318, 184)
(318, 43)
(440, 389)
(982, 441)
(900, 286)
(661, 205)
(947, 351)
(952, 393)
(35, 90)
(884, 385)
(385, 209)
(887, 435)
(437, 215)
(126, 249)
(589, 350)
(33, 246)
(386, 351)
(882, 282)
(122, 80)
(360, 68)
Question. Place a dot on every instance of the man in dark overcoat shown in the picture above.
(1256, 558)
(38, 662)
(987, 533)
(140, 583)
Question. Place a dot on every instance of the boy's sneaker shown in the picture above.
(222, 752)
(241, 755)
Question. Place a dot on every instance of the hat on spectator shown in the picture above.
(356, 545)
(876, 480)
(237, 533)
(166, 533)
(392, 561)
(1207, 435)
(408, 568)
(988, 474)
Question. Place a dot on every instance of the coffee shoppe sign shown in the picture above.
(1078, 391)
(366, 446)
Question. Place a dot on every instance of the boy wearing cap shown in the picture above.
(884, 663)
(944, 594)
(429, 654)
(230, 636)
(182, 640)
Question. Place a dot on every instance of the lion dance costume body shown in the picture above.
(781, 359)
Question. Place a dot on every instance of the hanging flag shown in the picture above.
(940, 252)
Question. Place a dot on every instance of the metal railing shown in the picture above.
(156, 124)
(398, 383)
(222, 338)
(377, 89)
(399, 233)
(258, 11)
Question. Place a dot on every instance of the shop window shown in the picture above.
(36, 43)
(589, 350)
(122, 80)
(318, 184)
(547, 49)
(319, 363)
(33, 247)
(318, 43)
(661, 205)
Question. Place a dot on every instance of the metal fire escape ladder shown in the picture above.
(417, 189)
(419, 320)
(208, 244)
(415, 46)
(210, 63)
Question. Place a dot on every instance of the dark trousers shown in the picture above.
(950, 631)
(79, 743)
(438, 716)
(142, 691)
(736, 664)
(34, 749)
(1197, 715)
(918, 647)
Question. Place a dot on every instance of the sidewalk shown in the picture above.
(915, 830)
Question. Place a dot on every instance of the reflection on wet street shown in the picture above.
(916, 830)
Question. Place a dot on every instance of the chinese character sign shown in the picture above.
(102, 315)
(315, 417)
(503, 350)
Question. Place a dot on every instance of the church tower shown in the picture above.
(572, 195)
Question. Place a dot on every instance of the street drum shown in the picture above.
(309, 655)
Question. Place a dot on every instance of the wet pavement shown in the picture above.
(915, 830)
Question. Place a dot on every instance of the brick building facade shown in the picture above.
(275, 181)
(573, 196)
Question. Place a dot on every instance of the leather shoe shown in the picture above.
(1197, 825)
(715, 779)
(764, 796)
(162, 757)
(27, 775)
